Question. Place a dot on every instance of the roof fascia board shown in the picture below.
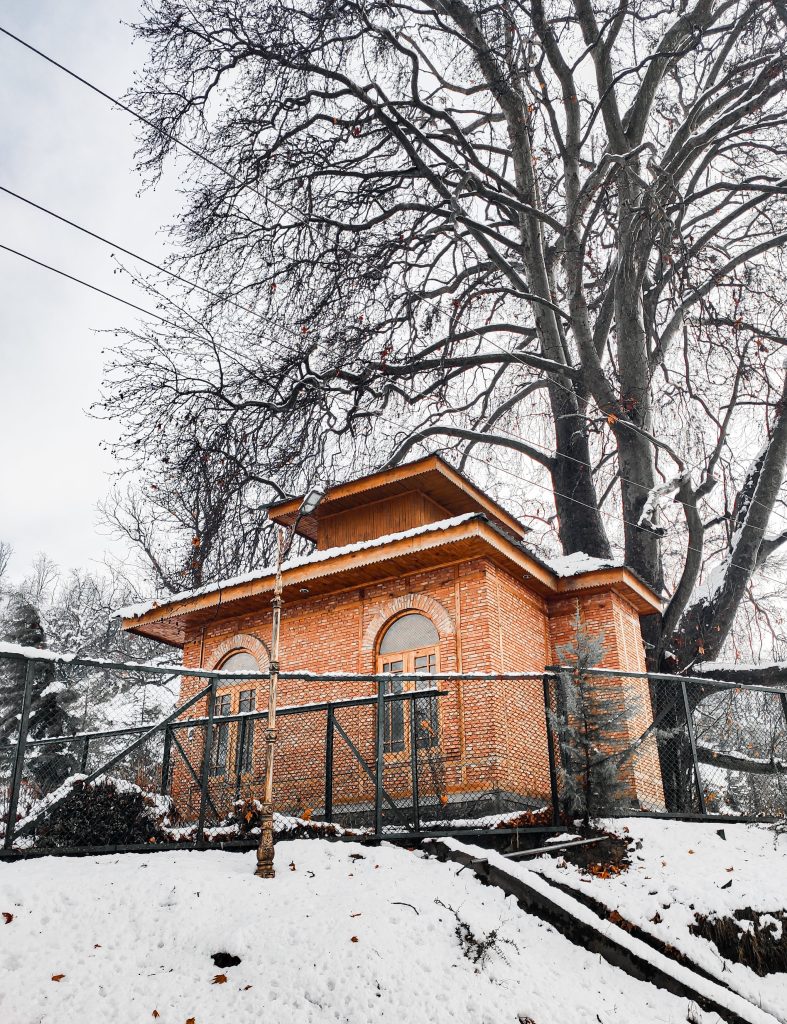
(340, 563)
(613, 578)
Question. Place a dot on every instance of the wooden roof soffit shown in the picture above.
(171, 622)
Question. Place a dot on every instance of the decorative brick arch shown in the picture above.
(242, 642)
(433, 610)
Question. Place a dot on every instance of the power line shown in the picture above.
(124, 107)
(109, 295)
(129, 252)
(244, 184)
(92, 287)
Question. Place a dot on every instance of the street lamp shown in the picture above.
(284, 539)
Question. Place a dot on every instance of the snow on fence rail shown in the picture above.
(374, 752)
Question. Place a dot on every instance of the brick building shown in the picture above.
(415, 570)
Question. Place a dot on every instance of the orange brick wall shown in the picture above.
(608, 614)
(492, 734)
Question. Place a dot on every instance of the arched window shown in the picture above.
(233, 742)
(408, 646)
(240, 661)
(409, 632)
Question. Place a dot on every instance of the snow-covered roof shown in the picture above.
(135, 611)
(573, 565)
(562, 567)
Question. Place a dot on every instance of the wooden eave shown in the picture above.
(430, 475)
(620, 580)
(176, 620)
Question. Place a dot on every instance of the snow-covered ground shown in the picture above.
(679, 869)
(345, 933)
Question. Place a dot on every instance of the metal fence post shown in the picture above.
(19, 755)
(693, 741)
(329, 765)
(551, 755)
(165, 759)
(203, 800)
(85, 754)
(379, 760)
(414, 764)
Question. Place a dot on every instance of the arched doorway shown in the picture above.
(409, 645)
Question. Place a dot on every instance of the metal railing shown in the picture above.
(381, 755)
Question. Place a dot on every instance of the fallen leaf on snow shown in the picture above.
(155, 1014)
(7, 917)
(356, 915)
(292, 865)
(191, 1020)
(354, 938)
(246, 988)
(219, 979)
(58, 977)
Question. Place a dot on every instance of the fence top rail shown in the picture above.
(20, 653)
(665, 677)
(35, 654)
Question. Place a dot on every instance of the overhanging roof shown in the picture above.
(433, 476)
(359, 565)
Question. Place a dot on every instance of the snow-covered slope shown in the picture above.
(345, 933)
(680, 869)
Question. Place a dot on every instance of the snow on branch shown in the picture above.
(655, 499)
(736, 761)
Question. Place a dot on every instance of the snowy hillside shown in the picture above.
(345, 933)
(682, 871)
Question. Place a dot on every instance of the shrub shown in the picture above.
(104, 813)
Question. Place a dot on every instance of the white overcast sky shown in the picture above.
(68, 149)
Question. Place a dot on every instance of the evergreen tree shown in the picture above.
(48, 766)
(588, 726)
(21, 625)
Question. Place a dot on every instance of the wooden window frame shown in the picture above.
(398, 708)
(236, 732)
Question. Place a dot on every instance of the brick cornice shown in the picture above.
(431, 608)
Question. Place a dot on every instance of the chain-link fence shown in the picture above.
(94, 753)
(631, 742)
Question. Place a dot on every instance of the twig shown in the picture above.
(396, 903)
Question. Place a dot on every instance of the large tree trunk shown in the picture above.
(573, 484)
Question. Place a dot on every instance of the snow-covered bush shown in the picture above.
(107, 812)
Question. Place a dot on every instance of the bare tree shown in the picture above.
(194, 518)
(38, 586)
(549, 228)
(6, 551)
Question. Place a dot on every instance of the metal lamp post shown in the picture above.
(284, 540)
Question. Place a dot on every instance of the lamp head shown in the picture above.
(311, 500)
